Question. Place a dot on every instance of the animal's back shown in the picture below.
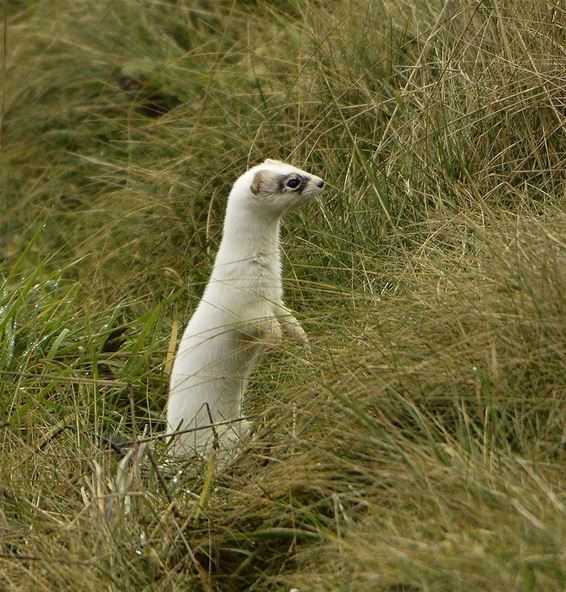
(212, 364)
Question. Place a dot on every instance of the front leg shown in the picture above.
(266, 330)
(290, 325)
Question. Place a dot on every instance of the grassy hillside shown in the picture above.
(420, 447)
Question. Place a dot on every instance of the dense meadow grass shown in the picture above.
(420, 446)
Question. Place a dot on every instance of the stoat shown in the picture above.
(241, 310)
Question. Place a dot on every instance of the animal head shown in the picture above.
(275, 187)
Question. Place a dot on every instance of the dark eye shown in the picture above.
(293, 183)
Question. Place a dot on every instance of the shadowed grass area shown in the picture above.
(420, 446)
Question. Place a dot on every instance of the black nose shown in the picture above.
(320, 184)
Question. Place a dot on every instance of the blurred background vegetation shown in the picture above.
(421, 446)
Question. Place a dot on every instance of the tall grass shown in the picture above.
(421, 445)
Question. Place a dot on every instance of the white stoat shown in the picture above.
(241, 310)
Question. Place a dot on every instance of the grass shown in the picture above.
(421, 445)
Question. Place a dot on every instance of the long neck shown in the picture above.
(249, 234)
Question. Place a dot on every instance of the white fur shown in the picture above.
(240, 312)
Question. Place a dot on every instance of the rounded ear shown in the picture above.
(272, 161)
(255, 187)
